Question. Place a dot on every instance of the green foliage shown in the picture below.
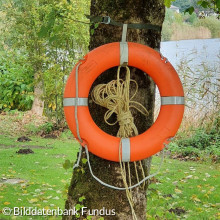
(184, 4)
(173, 20)
(84, 160)
(192, 5)
(190, 10)
(67, 164)
(201, 142)
(190, 18)
(212, 24)
(178, 17)
(167, 31)
(82, 198)
(16, 82)
(208, 4)
(167, 3)
(46, 127)
(48, 32)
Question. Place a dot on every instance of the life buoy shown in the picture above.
(151, 141)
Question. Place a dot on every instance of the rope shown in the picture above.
(87, 152)
(115, 96)
(122, 188)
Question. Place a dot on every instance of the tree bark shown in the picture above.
(82, 184)
(38, 103)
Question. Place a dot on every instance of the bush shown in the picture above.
(166, 31)
(203, 141)
(212, 24)
(16, 83)
(190, 18)
(186, 26)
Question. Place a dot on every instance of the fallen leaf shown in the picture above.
(33, 200)
(7, 203)
(195, 198)
(178, 191)
(175, 182)
(207, 175)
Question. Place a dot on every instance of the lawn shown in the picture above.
(182, 190)
(39, 178)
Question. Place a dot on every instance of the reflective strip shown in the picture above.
(125, 149)
(172, 100)
(72, 102)
(123, 53)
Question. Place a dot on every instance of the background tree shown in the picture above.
(82, 184)
(45, 31)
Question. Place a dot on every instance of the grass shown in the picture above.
(43, 180)
(182, 190)
(191, 188)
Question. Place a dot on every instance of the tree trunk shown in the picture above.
(38, 103)
(82, 184)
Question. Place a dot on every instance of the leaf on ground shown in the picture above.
(178, 191)
(7, 203)
(189, 177)
(175, 182)
(84, 160)
(81, 198)
(207, 175)
(33, 200)
(195, 198)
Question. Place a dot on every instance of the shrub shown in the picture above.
(212, 24)
(16, 83)
(203, 141)
(166, 31)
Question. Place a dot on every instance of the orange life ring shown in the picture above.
(145, 144)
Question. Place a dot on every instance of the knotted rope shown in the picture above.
(115, 96)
